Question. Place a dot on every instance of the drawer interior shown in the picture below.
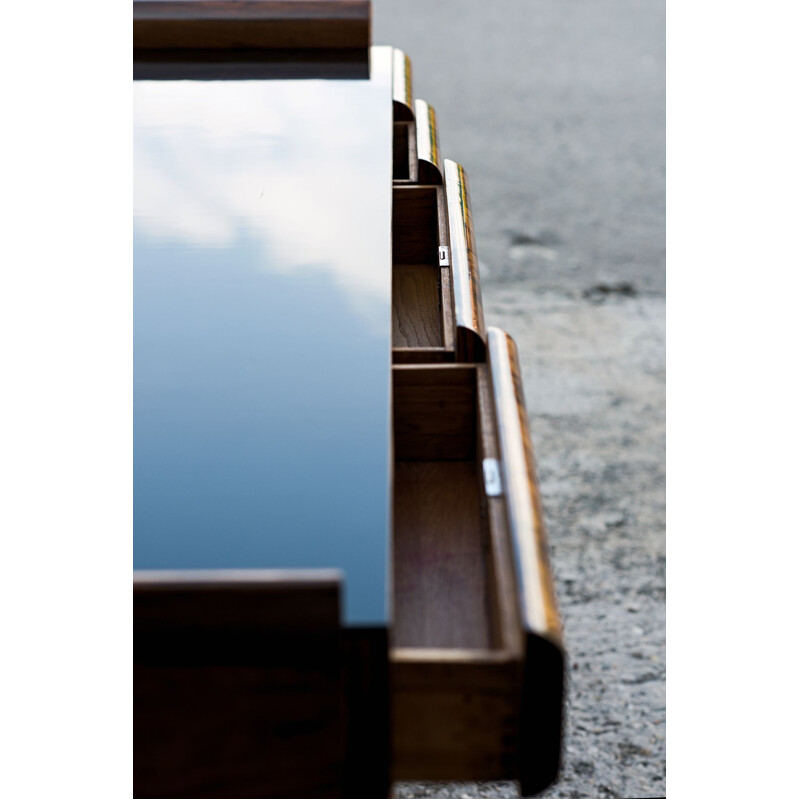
(422, 303)
(443, 593)
(456, 647)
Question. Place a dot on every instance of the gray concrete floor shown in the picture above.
(556, 109)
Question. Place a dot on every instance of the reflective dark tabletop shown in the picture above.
(262, 327)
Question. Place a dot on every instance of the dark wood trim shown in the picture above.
(252, 602)
(434, 412)
(422, 355)
(236, 24)
(541, 716)
(250, 64)
(237, 685)
(365, 670)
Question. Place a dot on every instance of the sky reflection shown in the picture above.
(262, 309)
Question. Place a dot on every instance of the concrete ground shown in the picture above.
(556, 110)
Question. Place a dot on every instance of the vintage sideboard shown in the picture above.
(341, 575)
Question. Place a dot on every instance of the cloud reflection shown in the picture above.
(288, 163)
(262, 329)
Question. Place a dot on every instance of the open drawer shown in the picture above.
(423, 323)
(437, 313)
(476, 670)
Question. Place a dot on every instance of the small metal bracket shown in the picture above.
(444, 256)
(491, 477)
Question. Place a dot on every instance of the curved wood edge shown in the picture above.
(428, 153)
(236, 24)
(401, 86)
(464, 261)
(537, 593)
(541, 719)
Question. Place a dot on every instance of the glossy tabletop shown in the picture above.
(262, 328)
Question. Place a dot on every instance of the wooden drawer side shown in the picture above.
(456, 655)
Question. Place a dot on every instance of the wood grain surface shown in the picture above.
(440, 580)
(415, 225)
(434, 412)
(416, 306)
